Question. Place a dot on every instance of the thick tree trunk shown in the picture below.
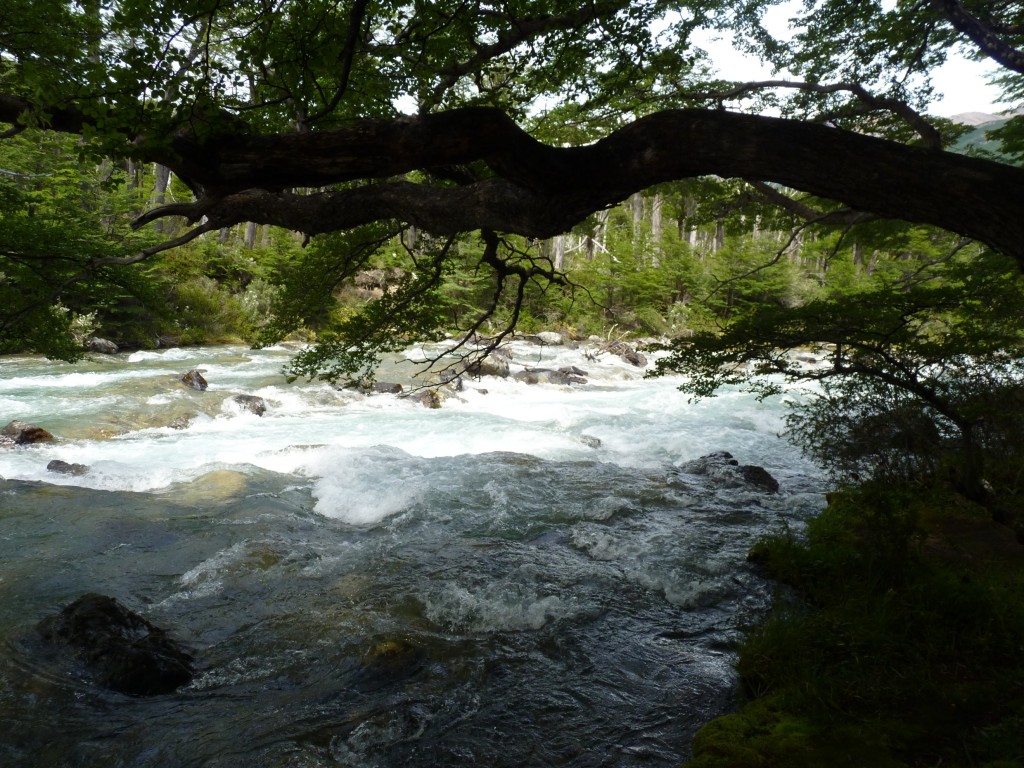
(540, 191)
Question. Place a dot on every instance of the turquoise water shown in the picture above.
(368, 582)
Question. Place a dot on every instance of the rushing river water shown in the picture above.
(509, 580)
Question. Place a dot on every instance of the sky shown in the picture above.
(961, 82)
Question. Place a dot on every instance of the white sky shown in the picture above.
(961, 82)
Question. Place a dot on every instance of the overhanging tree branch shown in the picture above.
(984, 36)
(539, 191)
(929, 135)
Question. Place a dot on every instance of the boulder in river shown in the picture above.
(428, 398)
(542, 376)
(103, 346)
(722, 467)
(251, 403)
(64, 468)
(625, 352)
(551, 338)
(386, 388)
(489, 366)
(194, 379)
(23, 433)
(123, 650)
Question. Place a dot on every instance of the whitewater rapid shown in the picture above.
(566, 602)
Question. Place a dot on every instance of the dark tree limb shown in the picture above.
(982, 35)
(540, 191)
(843, 217)
(929, 135)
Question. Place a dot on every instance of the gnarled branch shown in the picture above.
(982, 35)
(539, 191)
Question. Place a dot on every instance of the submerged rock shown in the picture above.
(23, 433)
(251, 403)
(590, 441)
(63, 468)
(123, 650)
(722, 467)
(389, 661)
(194, 379)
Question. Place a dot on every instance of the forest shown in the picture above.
(360, 175)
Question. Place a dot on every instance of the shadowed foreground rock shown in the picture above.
(124, 651)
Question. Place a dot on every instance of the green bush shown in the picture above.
(879, 652)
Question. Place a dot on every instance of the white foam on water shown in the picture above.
(497, 607)
(365, 487)
(325, 434)
(174, 353)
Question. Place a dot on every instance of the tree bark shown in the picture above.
(540, 191)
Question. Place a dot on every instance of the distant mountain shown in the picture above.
(980, 124)
(981, 118)
(975, 118)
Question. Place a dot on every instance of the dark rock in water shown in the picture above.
(722, 467)
(63, 468)
(429, 398)
(386, 388)
(23, 433)
(123, 650)
(195, 380)
(251, 403)
(759, 476)
(590, 441)
(181, 422)
(708, 464)
(489, 366)
(626, 352)
(545, 376)
(103, 346)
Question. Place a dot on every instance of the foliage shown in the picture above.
(410, 307)
(889, 652)
(59, 248)
(913, 361)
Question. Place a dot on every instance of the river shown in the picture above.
(509, 580)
